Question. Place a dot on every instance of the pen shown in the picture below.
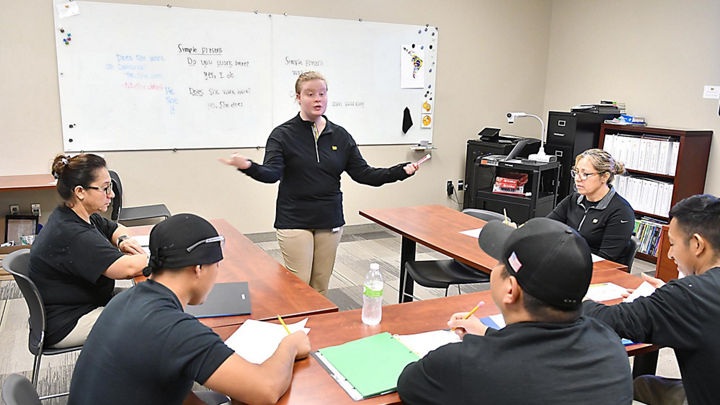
(472, 311)
(285, 326)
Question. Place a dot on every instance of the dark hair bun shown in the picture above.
(59, 164)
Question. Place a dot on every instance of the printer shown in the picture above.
(491, 142)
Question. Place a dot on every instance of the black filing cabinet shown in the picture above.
(568, 135)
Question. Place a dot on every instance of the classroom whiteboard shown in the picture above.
(135, 77)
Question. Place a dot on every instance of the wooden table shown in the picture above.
(313, 385)
(438, 227)
(27, 182)
(274, 290)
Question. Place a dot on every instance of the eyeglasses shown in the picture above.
(107, 189)
(582, 176)
(219, 238)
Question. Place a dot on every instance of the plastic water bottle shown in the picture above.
(372, 296)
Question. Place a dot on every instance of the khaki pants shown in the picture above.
(79, 334)
(654, 390)
(310, 254)
(84, 325)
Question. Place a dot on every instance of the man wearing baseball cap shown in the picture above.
(144, 349)
(547, 353)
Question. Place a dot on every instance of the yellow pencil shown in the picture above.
(285, 326)
(506, 218)
(472, 311)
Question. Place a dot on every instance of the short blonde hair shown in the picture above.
(306, 77)
(602, 162)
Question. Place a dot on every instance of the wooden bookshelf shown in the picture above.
(665, 268)
(691, 168)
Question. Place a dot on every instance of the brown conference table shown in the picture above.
(438, 227)
(313, 385)
(274, 290)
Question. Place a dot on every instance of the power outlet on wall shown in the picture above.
(14, 209)
(35, 208)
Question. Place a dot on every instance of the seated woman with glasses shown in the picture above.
(78, 255)
(600, 215)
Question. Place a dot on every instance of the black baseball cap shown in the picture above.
(549, 259)
(183, 240)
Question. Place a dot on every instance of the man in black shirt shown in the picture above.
(683, 314)
(144, 349)
(547, 353)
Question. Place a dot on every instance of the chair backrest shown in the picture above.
(118, 191)
(18, 390)
(630, 252)
(485, 215)
(17, 263)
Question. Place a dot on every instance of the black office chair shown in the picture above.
(121, 214)
(630, 252)
(18, 390)
(17, 263)
(444, 273)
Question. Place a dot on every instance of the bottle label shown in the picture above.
(372, 293)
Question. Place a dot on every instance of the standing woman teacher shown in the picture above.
(308, 154)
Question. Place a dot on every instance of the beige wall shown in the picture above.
(655, 55)
(492, 58)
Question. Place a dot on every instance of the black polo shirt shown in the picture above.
(145, 350)
(684, 314)
(67, 262)
(607, 225)
(580, 362)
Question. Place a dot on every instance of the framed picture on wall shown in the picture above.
(19, 227)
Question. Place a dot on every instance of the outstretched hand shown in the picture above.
(238, 161)
(655, 282)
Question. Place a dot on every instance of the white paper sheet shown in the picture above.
(423, 343)
(596, 258)
(67, 9)
(643, 290)
(475, 233)
(143, 240)
(256, 341)
(412, 69)
(605, 291)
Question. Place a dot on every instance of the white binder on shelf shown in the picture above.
(674, 157)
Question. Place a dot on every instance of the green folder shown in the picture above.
(371, 365)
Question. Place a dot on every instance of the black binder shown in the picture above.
(225, 299)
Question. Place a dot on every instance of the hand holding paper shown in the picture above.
(256, 341)
(643, 290)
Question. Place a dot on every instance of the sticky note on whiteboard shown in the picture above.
(67, 9)
(711, 92)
